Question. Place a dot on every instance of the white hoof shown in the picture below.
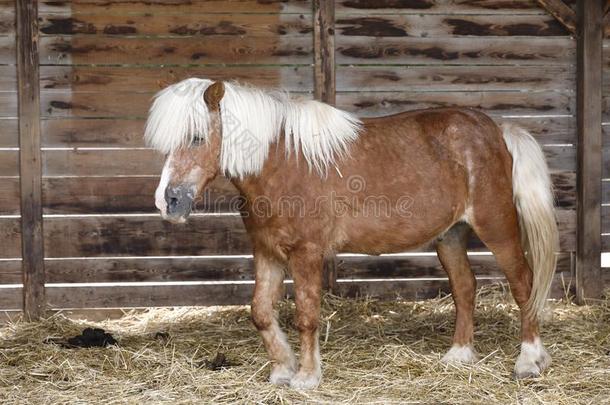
(460, 355)
(306, 380)
(532, 360)
(281, 374)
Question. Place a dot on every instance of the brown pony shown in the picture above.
(318, 181)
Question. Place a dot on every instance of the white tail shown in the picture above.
(533, 196)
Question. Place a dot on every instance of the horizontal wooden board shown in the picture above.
(146, 162)
(178, 25)
(241, 294)
(152, 79)
(165, 7)
(8, 104)
(108, 50)
(505, 7)
(8, 78)
(228, 268)
(144, 236)
(10, 235)
(8, 133)
(122, 105)
(447, 25)
(9, 196)
(11, 299)
(496, 103)
(460, 51)
(201, 235)
(92, 132)
(76, 132)
(9, 163)
(87, 195)
(455, 78)
(7, 50)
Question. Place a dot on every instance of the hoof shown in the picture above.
(460, 355)
(532, 360)
(306, 380)
(281, 374)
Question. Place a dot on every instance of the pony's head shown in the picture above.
(205, 128)
(186, 126)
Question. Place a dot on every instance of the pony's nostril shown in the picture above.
(173, 202)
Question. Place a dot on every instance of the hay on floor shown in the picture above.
(373, 352)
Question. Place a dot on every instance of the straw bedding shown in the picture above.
(372, 352)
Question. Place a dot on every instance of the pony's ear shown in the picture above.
(213, 95)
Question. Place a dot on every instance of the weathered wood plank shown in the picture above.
(166, 7)
(494, 103)
(9, 196)
(8, 79)
(324, 51)
(241, 294)
(454, 78)
(7, 50)
(209, 234)
(92, 195)
(138, 269)
(177, 25)
(451, 25)
(30, 172)
(7, 19)
(367, 7)
(11, 299)
(125, 162)
(483, 51)
(563, 13)
(93, 133)
(9, 163)
(68, 132)
(112, 195)
(589, 121)
(144, 236)
(79, 49)
(10, 234)
(8, 133)
(152, 79)
(97, 105)
(8, 104)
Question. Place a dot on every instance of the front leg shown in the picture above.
(267, 290)
(306, 268)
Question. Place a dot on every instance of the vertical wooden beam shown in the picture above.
(29, 158)
(589, 124)
(324, 50)
(324, 86)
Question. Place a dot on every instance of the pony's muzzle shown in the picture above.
(179, 201)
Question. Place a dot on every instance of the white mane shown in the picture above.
(252, 119)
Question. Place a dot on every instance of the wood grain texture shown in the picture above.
(68, 50)
(460, 51)
(423, 7)
(32, 243)
(455, 78)
(9, 134)
(152, 79)
(125, 162)
(165, 7)
(134, 105)
(589, 122)
(564, 14)
(117, 133)
(495, 103)
(176, 25)
(8, 79)
(450, 25)
(10, 234)
(7, 50)
(144, 236)
(324, 50)
(8, 105)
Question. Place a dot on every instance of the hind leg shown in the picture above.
(497, 226)
(451, 251)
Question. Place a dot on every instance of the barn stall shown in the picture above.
(79, 228)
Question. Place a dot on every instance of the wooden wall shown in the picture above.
(605, 211)
(101, 61)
